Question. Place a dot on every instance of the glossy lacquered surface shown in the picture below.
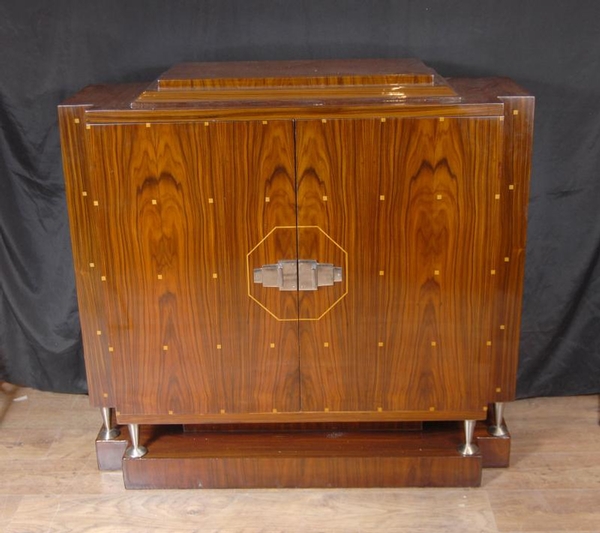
(421, 202)
(266, 82)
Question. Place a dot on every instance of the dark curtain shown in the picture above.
(50, 50)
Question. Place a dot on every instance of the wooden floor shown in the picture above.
(49, 482)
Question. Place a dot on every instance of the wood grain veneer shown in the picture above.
(416, 322)
(169, 217)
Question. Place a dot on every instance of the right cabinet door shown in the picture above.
(410, 208)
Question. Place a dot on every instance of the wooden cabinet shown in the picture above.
(299, 242)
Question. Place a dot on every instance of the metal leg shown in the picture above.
(108, 432)
(498, 429)
(468, 448)
(135, 450)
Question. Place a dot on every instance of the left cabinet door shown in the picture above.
(178, 208)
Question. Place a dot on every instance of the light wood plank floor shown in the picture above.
(49, 482)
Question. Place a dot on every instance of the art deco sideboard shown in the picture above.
(303, 273)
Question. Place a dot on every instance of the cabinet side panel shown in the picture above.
(182, 205)
(514, 188)
(80, 191)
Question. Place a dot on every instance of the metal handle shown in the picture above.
(303, 275)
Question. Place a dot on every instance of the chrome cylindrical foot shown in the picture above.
(468, 448)
(108, 432)
(498, 429)
(135, 451)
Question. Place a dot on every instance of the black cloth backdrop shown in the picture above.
(50, 50)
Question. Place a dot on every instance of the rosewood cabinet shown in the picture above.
(296, 250)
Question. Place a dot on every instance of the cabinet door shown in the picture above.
(179, 209)
(413, 204)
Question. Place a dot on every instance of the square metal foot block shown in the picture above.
(495, 451)
(109, 453)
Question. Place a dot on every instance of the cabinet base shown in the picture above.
(179, 459)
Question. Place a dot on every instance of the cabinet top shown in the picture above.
(357, 79)
(295, 89)
(303, 73)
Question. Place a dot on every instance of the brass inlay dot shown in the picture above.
(111, 349)
(96, 203)
(381, 273)
(511, 187)
(380, 409)
(219, 346)
(324, 120)
(154, 202)
(502, 326)
(501, 119)
(211, 200)
(264, 122)
(206, 123)
(326, 344)
(381, 197)
(436, 272)
(215, 275)
(105, 395)
(439, 197)
(170, 412)
(222, 411)
(497, 197)
(160, 276)
(84, 193)
(88, 127)
(98, 332)
(380, 344)
(488, 343)
(267, 199)
(92, 265)
(442, 119)
(506, 259)
(515, 112)
(165, 348)
(493, 272)
(432, 409)
(147, 124)
(383, 120)
(498, 389)
(324, 198)
(76, 121)
(272, 345)
(433, 343)
(326, 409)
(485, 408)
(102, 278)
(274, 410)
